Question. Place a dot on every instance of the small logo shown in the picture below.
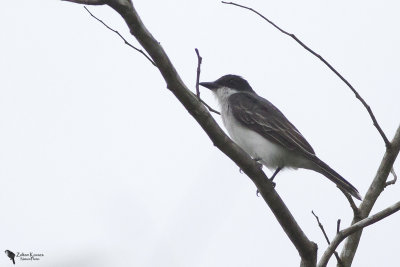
(11, 255)
(24, 256)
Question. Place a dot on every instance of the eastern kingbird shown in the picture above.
(261, 130)
(11, 255)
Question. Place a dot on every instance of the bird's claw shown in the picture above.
(272, 182)
(273, 185)
(259, 165)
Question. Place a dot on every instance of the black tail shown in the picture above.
(329, 173)
(13, 260)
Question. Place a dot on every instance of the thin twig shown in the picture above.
(209, 108)
(326, 237)
(126, 42)
(338, 226)
(358, 96)
(199, 60)
(394, 178)
(322, 227)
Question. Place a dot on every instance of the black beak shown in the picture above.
(209, 85)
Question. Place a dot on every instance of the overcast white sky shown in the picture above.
(101, 166)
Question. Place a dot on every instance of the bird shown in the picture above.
(262, 131)
(11, 255)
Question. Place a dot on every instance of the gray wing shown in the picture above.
(264, 118)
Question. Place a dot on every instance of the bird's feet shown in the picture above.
(259, 165)
(275, 173)
(271, 179)
(258, 192)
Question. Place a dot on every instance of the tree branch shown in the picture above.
(374, 190)
(199, 60)
(209, 108)
(338, 226)
(126, 42)
(394, 178)
(354, 228)
(326, 237)
(357, 95)
(152, 62)
(304, 246)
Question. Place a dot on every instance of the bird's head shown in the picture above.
(228, 82)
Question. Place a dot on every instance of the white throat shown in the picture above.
(222, 95)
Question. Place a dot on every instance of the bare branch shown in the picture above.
(326, 237)
(374, 190)
(199, 60)
(321, 227)
(126, 42)
(358, 96)
(338, 226)
(354, 228)
(306, 248)
(209, 108)
(394, 178)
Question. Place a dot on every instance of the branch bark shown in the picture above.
(374, 190)
(354, 228)
(391, 182)
(306, 248)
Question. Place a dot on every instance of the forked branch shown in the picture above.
(354, 228)
(374, 191)
(394, 180)
(326, 237)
